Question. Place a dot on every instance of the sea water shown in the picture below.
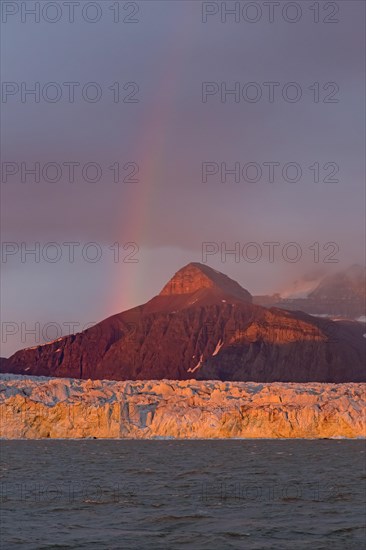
(204, 494)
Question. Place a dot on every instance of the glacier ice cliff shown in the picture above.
(42, 407)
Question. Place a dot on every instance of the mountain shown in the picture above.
(203, 325)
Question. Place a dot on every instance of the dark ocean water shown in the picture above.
(183, 494)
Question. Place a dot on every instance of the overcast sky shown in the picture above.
(160, 131)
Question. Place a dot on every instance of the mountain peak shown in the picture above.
(196, 276)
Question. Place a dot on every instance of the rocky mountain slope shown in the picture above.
(203, 325)
(64, 408)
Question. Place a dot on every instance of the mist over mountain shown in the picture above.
(341, 294)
